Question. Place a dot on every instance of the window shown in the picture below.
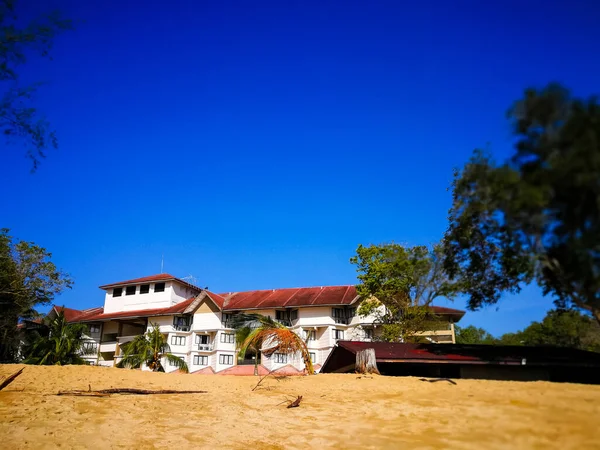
(159, 287)
(226, 360)
(130, 290)
(313, 357)
(294, 314)
(144, 288)
(202, 339)
(338, 334)
(200, 360)
(177, 340)
(280, 358)
(228, 338)
(368, 333)
(90, 347)
(173, 363)
(117, 292)
(182, 323)
(310, 335)
(94, 329)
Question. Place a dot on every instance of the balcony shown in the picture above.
(182, 327)
(205, 347)
(342, 320)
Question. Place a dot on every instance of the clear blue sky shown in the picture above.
(256, 144)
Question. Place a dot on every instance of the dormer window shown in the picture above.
(117, 292)
(130, 290)
(159, 287)
(144, 288)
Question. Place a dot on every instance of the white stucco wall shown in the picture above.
(174, 293)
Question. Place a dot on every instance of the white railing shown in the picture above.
(205, 347)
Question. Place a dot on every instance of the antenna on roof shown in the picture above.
(191, 279)
(162, 262)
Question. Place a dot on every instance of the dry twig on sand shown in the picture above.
(438, 379)
(131, 391)
(295, 403)
(9, 379)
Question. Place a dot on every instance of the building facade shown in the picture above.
(198, 323)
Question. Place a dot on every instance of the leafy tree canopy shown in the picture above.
(28, 278)
(560, 328)
(398, 283)
(473, 335)
(20, 122)
(537, 215)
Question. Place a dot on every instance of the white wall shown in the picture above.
(315, 315)
(174, 293)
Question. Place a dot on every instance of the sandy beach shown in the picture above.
(338, 411)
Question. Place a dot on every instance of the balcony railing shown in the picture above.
(182, 327)
(205, 347)
(285, 322)
(342, 320)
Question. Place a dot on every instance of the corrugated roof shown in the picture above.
(483, 354)
(158, 277)
(100, 316)
(248, 300)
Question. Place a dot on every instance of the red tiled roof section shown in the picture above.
(152, 278)
(291, 297)
(99, 316)
(219, 300)
(311, 296)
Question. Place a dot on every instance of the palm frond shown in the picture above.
(176, 361)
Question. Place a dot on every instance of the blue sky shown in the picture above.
(256, 144)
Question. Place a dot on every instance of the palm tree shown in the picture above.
(264, 331)
(241, 334)
(62, 345)
(150, 349)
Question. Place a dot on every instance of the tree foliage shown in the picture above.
(397, 284)
(560, 328)
(20, 122)
(150, 349)
(473, 335)
(62, 345)
(270, 336)
(536, 216)
(27, 279)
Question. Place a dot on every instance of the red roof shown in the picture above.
(99, 316)
(159, 277)
(292, 297)
(262, 299)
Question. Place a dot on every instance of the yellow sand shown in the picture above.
(338, 411)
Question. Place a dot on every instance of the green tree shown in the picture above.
(537, 216)
(27, 279)
(473, 335)
(398, 284)
(560, 328)
(20, 122)
(63, 345)
(262, 332)
(150, 349)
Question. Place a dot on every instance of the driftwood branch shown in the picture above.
(435, 380)
(130, 391)
(9, 379)
(295, 403)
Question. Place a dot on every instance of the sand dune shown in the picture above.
(338, 411)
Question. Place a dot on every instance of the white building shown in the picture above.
(197, 322)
